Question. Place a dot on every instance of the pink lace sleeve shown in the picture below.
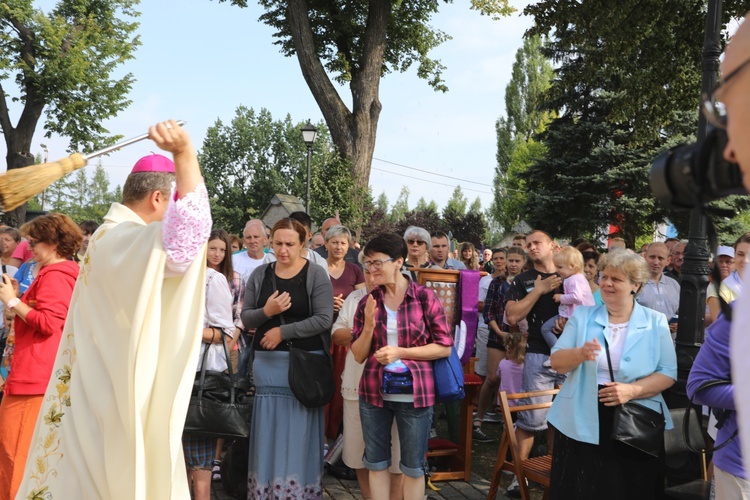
(186, 227)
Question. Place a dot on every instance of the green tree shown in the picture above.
(355, 43)
(650, 51)
(616, 114)
(375, 221)
(254, 157)
(454, 211)
(525, 116)
(65, 64)
(401, 207)
(422, 205)
(382, 202)
(99, 196)
(426, 218)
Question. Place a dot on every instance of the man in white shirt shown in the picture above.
(254, 238)
(244, 263)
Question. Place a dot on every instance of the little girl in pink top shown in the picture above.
(569, 264)
(510, 369)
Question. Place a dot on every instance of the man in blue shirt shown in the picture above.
(661, 293)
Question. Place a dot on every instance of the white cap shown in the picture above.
(725, 250)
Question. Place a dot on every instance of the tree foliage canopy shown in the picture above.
(626, 88)
(82, 195)
(355, 43)
(525, 116)
(254, 157)
(63, 64)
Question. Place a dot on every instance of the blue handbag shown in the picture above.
(449, 378)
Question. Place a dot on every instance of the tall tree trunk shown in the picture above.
(18, 143)
(353, 132)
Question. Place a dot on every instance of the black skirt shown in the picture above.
(609, 470)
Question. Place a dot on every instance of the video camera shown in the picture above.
(695, 173)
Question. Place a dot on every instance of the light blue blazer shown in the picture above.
(648, 349)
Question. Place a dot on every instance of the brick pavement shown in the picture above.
(335, 489)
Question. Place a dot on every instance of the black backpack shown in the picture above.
(234, 469)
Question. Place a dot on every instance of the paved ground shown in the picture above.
(336, 489)
(483, 460)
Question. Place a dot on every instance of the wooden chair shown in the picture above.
(537, 468)
(456, 456)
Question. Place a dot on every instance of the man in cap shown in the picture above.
(731, 284)
(112, 418)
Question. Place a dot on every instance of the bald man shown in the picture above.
(352, 255)
(734, 92)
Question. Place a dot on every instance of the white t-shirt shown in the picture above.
(218, 315)
(615, 335)
(392, 338)
(245, 265)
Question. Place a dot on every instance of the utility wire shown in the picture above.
(431, 173)
(432, 182)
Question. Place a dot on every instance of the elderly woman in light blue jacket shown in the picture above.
(586, 463)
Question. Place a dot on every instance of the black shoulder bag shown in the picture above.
(636, 425)
(721, 418)
(310, 375)
(219, 405)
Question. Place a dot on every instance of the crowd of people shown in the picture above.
(107, 326)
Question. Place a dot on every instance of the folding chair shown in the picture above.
(537, 468)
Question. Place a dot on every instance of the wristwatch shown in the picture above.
(13, 303)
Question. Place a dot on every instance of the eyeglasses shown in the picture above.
(713, 108)
(375, 265)
(31, 242)
(416, 242)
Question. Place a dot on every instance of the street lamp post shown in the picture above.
(46, 157)
(695, 270)
(309, 133)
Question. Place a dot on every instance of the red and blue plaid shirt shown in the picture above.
(494, 303)
(421, 320)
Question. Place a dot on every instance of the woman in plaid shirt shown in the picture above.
(399, 328)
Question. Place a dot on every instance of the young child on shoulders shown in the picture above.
(577, 292)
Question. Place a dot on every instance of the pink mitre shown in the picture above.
(153, 163)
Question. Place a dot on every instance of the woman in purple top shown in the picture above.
(712, 363)
(345, 278)
(398, 330)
